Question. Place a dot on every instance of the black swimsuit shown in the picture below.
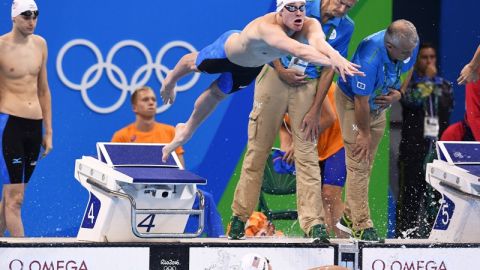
(21, 141)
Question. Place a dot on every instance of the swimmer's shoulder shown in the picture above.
(39, 40)
(4, 39)
(267, 23)
(3, 42)
(40, 43)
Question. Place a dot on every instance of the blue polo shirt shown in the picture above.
(381, 73)
(338, 31)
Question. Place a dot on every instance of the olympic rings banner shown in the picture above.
(124, 85)
(99, 52)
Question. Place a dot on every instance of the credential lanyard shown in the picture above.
(398, 71)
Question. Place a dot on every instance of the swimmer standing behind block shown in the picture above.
(25, 103)
(240, 55)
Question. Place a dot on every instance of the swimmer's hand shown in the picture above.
(468, 74)
(168, 93)
(344, 67)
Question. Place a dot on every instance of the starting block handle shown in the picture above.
(112, 192)
(134, 211)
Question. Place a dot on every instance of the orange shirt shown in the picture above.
(161, 133)
(330, 141)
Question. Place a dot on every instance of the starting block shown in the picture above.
(456, 175)
(134, 195)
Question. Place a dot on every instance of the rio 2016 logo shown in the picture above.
(116, 75)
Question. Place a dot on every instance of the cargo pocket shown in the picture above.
(253, 121)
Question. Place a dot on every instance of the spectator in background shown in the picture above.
(426, 103)
(146, 129)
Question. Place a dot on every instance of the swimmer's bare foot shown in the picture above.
(182, 135)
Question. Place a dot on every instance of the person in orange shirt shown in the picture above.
(331, 156)
(145, 129)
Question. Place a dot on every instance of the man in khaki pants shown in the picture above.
(361, 106)
(292, 87)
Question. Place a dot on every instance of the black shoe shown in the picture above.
(236, 229)
(319, 234)
(367, 235)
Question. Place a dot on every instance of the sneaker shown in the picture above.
(236, 229)
(367, 235)
(345, 225)
(319, 234)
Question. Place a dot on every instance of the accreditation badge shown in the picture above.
(431, 127)
(298, 64)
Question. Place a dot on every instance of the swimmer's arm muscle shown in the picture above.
(276, 38)
(316, 37)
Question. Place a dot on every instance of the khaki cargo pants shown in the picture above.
(358, 172)
(273, 98)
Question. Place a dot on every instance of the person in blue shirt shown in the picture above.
(361, 105)
(299, 88)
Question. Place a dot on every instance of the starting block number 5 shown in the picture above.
(445, 214)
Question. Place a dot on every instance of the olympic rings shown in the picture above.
(122, 83)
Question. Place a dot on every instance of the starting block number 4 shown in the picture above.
(91, 212)
(148, 222)
(93, 208)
